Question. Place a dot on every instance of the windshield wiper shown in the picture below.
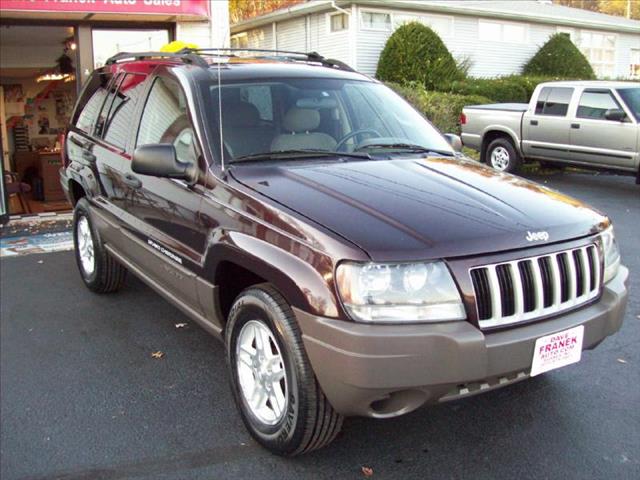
(289, 154)
(408, 147)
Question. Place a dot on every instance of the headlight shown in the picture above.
(611, 254)
(399, 292)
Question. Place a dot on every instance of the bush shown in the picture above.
(512, 88)
(415, 53)
(441, 108)
(559, 57)
(502, 89)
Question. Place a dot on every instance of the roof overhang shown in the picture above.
(443, 7)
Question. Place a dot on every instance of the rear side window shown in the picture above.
(91, 101)
(594, 104)
(554, 101)
(117, 125)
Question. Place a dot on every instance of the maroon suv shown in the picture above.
(350, 259)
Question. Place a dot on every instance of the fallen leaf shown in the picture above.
(367, 471)
(181, 325)
(157, 354)
(622, 360)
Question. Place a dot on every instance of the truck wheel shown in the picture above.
(99, 270)
(279, 398)
(502, 156)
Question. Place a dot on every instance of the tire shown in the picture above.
(502, 156)
(306, 420)
(100, 272)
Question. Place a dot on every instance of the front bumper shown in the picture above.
(389, 370)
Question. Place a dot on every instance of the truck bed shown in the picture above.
(509, 107)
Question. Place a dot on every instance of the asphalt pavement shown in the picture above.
(83, 398)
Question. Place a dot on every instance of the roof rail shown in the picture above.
(194, 56)
(183, 55)
(276, 54)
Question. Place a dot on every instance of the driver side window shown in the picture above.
(166, 120)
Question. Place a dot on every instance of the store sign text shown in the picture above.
(170, 7)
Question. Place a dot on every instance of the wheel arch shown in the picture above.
(493, 133)
(240, 261)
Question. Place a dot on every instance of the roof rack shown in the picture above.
(194, 56)
(313, 57)
(185, 56)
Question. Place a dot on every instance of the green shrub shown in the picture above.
(503, 89)
(415, 53)
(559, 57)
(512, 88)
(441, 108)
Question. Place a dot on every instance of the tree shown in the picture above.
(559, 57)
(415, 53)
(610, 7)
(244, 9)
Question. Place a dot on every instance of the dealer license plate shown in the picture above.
(557, 350)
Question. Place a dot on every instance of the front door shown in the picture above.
(167, 235)
(599, 142)
(545, 130)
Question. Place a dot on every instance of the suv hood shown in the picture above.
(398, 210)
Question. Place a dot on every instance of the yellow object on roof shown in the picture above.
(176, 46)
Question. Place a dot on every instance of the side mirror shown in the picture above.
(615, 114)
(454, 140)
(160, 160)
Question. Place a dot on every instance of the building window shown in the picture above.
(490, 31)
(600, 50)
(240, 40)
(108, 42)
(634, 64)
(442, 25)
(376, 21)
(338, 22)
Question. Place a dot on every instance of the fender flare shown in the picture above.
(300, 282)
(504, 130)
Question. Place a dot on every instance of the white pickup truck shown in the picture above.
(592, 124)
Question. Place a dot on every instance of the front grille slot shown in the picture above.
(522, 290)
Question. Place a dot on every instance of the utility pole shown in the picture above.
(628, 9)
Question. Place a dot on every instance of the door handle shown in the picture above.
(88, 156)
(575, 125)
(132, 181)
(534, 122)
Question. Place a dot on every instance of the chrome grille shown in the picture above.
(534, 287)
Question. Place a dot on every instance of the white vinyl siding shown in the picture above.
(257, 38)
(506, 52)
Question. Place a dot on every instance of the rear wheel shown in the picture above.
(99, 270)
(279, 398)
(502, 155)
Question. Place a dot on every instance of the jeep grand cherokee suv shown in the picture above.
(352, 262)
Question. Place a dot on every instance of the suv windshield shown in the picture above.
(268, 119)
(631, 97)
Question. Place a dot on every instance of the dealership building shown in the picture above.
(48, 48)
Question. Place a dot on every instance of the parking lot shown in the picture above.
(83, 398)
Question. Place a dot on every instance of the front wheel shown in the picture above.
(502, 155)
(275, 389)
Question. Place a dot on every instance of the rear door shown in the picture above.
(167, 237)
(596, 141)
(112, 136)
(545, 126)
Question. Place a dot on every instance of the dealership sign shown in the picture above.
(166, 7)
